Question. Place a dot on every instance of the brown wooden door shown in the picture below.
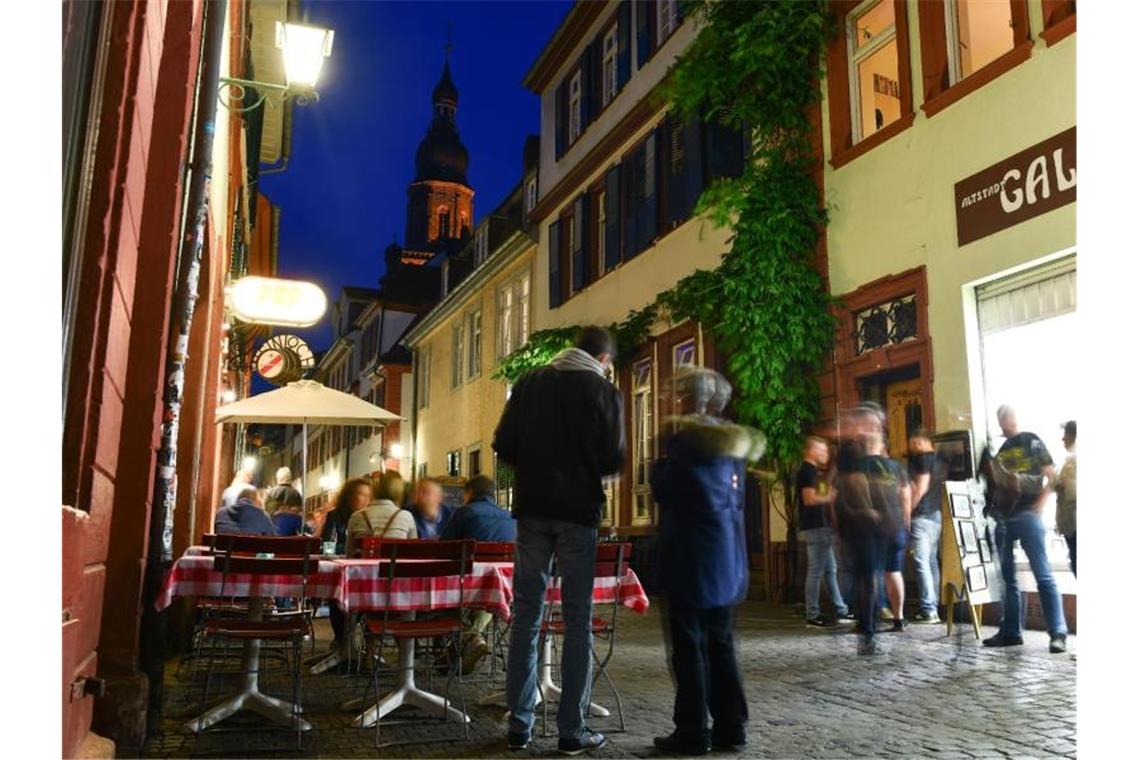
(904, 412)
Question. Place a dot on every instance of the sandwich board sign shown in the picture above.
(970, 571)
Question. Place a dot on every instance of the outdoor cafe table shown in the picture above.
(193, 574)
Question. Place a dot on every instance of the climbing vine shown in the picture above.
(753, 66)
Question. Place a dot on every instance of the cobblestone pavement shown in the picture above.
(809, 696)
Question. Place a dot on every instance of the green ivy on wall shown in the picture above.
(753, 66)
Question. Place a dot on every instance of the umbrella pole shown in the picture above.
(305, 457)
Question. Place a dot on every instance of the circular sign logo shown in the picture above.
(270, 363)
(283, 359)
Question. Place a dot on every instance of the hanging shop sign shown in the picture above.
(1025, 185)
(283, 359)
(270, 301)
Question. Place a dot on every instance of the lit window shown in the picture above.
(474, 344)
(873, 63)
(977, 32)
(522, 298)
(454, 458)
(575, 106)
(666, 19)
(609, 65)
(505, 321)
(643, 400)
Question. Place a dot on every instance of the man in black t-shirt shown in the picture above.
(1025, 456)
(927, 474)
(813, 499)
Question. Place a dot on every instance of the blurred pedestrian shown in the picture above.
(428, 510)
(1021, 473)
(927, 475)
(814, 499)
(242, 478)
(1067, 493)
(382, 517)
(562, 431)
(698, 484)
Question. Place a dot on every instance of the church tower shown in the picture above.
(440, 202)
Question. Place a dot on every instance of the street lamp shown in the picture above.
(396, 451)
(304, 49)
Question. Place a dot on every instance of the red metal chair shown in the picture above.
(610, 562)
(498, 552)
(259, 556)
(412, 558)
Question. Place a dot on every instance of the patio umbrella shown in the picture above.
(300, 403)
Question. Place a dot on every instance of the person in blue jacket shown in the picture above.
(698, 484)
(245, 515)
(428, 510)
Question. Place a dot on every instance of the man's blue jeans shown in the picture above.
(820, 566)
(540, 539)
(925, 534)
(1028, 528)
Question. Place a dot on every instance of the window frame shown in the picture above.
(475, 449)
(531, 194)
(675, 24)
(574, 126)
(1059, 19)
(855, 57)
(458, 345)
(457, 456)
(481, 236)
(474, 340)
(609, 81)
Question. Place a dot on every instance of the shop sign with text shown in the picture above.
(1025, 185)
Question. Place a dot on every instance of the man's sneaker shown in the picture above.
(899, 626)
(735, 741)
(926, 617)
(517, 742)
(1057, 644)
(868, 646)
(847, 617)
(819, 621)
(675, 744)
(1001, 640)
(580, 744)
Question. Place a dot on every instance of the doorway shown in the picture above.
(899, 393)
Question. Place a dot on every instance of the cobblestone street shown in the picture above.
(809, 696)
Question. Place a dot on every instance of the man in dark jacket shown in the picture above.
(245, 515)
(562, 431)
(703, 565)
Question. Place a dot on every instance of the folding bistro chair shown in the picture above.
(499, 552)
(405, 559)
(610, 563)
(245, 555)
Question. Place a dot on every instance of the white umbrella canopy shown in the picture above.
(305, 402)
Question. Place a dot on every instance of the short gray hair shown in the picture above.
(697, 383)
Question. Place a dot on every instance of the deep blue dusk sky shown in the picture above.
(343, 195)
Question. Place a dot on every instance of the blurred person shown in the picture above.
(382, 517)
(332, 525)
(698, 484)
(479, 519)
(927, 474)
(283, 492)
(1021, 472)
(1066, 489)
(814, 500)
(284, 505)
(245, 515)
(242, 478)
(427, 508)
(890, 491)
(562, 431)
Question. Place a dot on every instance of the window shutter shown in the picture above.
(581, 243)
(633, 168)
(647, 216)
(555, 264)
(613, 217)
(645, 18)
(560, 120)
(623, 45)
(684, 178)
(724, 147)
(589, 81)
(596, 83)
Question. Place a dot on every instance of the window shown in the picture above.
(575, 106)
(513, 319)
(474, 462)
(579, 245)
(474, 343)
(423, 471)
(666, 19)
(643, 399)
(609, 65)
(444, 230)
(600, 228)
(977, 32)
(454, 459)
(522, 301)
(640, 179)
(481, 245)
(873, 68)
(424, 370)
(531, 194)
(457, 345)
(504, 321)
(685, 354)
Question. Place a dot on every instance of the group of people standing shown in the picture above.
(872, 508)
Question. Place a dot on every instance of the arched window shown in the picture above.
(444, 223)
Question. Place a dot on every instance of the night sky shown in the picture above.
(343, 195)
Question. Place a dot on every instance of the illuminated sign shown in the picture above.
(269, 301)
(283, 359)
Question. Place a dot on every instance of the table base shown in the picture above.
(250, 698)
(406, 693)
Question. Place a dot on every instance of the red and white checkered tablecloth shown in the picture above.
(363, 590)
(194, 575)
(628, 591)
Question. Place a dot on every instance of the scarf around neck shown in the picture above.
(577, 360)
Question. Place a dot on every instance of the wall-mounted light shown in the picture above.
(229, 396)
(396, 451)
(249, 463)
(304, 49)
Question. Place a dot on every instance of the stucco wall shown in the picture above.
(461, 417)
(893, 208)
